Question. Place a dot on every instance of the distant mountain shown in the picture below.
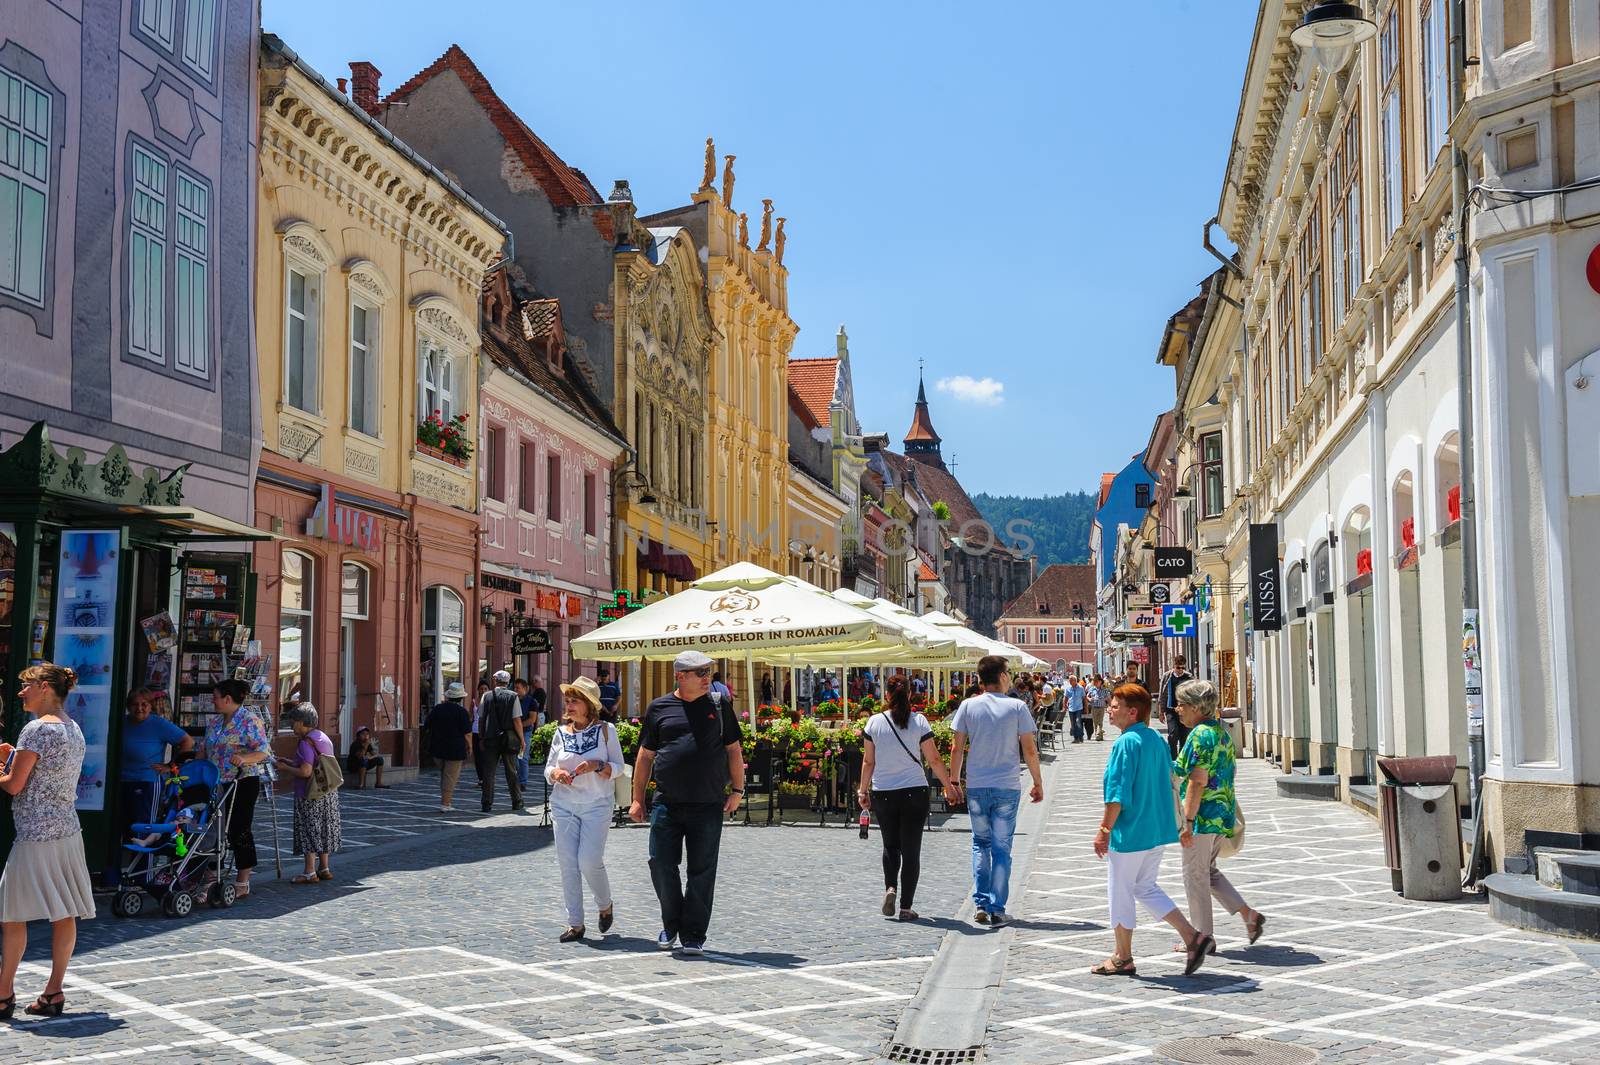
(1057, 525)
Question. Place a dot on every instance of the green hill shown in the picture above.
(1058, 525)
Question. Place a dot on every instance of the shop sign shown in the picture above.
(1174, 562)
(622, 604)
(1142, 621)
(1139, 654)
(502, 584)
(1266, 593)
(86, 627)
(1160, 593)
(558, 603)
(530, 642)
(343, 525)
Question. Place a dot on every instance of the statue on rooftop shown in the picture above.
(710, 174)
(727, 181)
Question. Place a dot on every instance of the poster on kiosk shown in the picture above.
(85, 628)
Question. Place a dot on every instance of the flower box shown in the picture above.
(443, 456)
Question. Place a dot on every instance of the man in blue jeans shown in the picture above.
(690, 742)
(993, 735)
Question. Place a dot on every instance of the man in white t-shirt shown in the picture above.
(993, 734)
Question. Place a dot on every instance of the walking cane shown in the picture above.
(272, 801)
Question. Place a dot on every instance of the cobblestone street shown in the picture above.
(438, 942)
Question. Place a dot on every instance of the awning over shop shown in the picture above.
(656, 557)
(198, 525)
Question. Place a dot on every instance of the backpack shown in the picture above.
(326, 776)
(499, 735)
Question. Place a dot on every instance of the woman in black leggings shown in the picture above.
(895, 787)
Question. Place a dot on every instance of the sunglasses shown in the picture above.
(702, 672)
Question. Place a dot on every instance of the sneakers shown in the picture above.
(998, 919)
(666, 940)
(982, 917)
(693, 950)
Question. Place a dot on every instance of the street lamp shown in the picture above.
(1333, 29)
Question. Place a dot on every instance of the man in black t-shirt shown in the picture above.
(690, 742)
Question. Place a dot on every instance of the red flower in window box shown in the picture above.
(1364, 561)
(1452, 503)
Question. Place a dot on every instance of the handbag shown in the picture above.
(621, 781)
(1233, 844)
(326, 776)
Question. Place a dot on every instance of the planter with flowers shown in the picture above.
(445, 440)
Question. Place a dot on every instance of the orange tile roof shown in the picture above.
(564, 185)
(1055, 592)
(814, 381)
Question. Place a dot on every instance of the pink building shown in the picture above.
(1054, 618)
(546, 451)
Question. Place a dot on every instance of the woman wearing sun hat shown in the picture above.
(585, 755)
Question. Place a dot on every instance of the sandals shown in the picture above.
(46, 1005)
(7, 1008)
(572, 935)
(607, 915)
(908, 915)
(1255, 926)
(1195, 953)
(324, 874)
(304, 878)
(888, 902)
(1115, 967)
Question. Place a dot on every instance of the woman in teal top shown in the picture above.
(1134, 830)
(1210, 811)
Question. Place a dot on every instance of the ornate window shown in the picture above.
(528, 472)
(1211, 476)
(442, 381)
(355, 586)
(494, 463)
(443, 642)
(302, 308)
(1389, 67)
(147, 256)
(438, 377)
(365, 393)
(552, 486)
(1309, 270)
(1283, 364)
(1435, 78)
(183, 30)
(1344, 183)
(26, 123)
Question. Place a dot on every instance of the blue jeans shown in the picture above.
(1077, 724)
(522, 768)
(994, 822)
(685, 904)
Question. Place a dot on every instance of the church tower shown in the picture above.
(921, 442)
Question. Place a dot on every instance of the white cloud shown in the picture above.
(985, 391)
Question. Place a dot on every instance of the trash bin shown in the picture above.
(1234, 723)
(1419, 811)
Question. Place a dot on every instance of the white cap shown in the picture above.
(502, 677)
(690, 660)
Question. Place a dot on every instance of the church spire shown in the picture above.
(921, 440)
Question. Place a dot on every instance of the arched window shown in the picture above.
(1404, 513)
(443, 642)
(295, 628)
(1447, 480)
(438, 380)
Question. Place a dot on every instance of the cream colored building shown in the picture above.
(369, 267)
(1339, 398)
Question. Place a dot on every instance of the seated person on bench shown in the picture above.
(364, 756)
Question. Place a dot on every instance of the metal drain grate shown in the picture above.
(1234, 1050)
(927, 1056)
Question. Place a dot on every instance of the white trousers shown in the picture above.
(1131, 878)
(581, 852)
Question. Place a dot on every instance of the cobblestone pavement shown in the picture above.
(1346, 966)
(440, 945)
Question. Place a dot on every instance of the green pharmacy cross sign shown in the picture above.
(622, 604)
(1177, 620)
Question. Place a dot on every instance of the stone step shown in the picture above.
(1568, 870)
(1298, 786)
(1520, 900)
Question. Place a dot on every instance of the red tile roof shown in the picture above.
(1054, 593)
(1106, 481)
(921, 430)
(520, 344)
(564, 185)
(801, 411)
(814, 381)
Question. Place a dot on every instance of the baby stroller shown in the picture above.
(181, 857)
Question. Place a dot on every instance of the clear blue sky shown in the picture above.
(1009, 190)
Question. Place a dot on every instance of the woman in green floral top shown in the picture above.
(1210, 811)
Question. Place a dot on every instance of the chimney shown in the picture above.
(344, 86)
(364, 86)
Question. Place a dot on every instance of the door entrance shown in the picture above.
(347, 679)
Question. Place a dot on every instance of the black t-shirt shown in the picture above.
(448, 727)
(690, 741)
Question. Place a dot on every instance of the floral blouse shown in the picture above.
(1209, 747)
(46, 807)
(242, 733)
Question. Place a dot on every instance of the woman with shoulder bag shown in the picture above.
(585, 756)
(316, 798)
(895, 788)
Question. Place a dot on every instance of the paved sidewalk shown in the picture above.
(1346, 967)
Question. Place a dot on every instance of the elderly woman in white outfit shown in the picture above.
(585, 756)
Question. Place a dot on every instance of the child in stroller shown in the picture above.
(180, 857)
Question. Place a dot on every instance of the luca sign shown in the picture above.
(1266, 591)
(1174, 562)
(342, 524)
